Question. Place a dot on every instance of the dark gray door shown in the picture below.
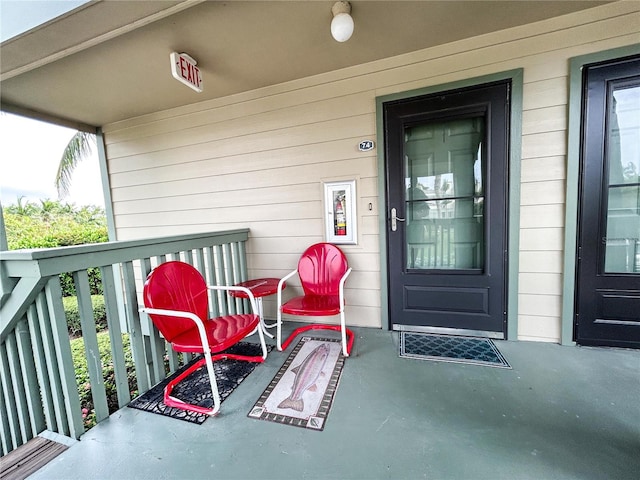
(608, 273)
(446, 172)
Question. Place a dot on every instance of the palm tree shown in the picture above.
(78, 148)
(21, 208)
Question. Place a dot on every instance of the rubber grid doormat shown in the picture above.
(447, 348)
(195, 389)
(302, 392)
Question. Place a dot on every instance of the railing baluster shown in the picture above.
(49, 376)
(135, 329)
(40, 366)
(13, 438)
(236, 276)
(53, 375)
(174, 360)
(33, 403)
(228, 277)
(115, 335)
(211, 280)
(91, 349)
(156, 342)
(172, 356)
(68, 397)
(6, 445)
(220, 279)
(17, 385)
(198, 259)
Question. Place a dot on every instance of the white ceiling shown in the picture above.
(109, 60)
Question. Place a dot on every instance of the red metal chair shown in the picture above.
(323, 270)
(176, 298)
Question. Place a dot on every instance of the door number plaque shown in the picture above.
(366, 145)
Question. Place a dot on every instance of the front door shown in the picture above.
(446, 171)
(608, 276)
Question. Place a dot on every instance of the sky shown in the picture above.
(18, 16)
(30, 150)
(30, 153)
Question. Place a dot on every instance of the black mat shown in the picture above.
(448, 348)
(195, 389)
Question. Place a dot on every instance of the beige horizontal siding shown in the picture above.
(258, 159)
(540, 305)
(540, 216)
(547, 261)
(545, 168)
(547, 144)
(541, 283)
(543, 239)
(271, 123)
(538, 329)
(537, 193)
(257, 182)
(544, 119)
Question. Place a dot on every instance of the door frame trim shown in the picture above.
(514, 157)
(574, 128)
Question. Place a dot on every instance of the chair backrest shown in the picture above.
(175, 286)
(320, 269)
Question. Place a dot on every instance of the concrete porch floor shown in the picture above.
(559, 413)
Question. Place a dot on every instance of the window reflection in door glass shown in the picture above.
(444, 198)
(622, 253)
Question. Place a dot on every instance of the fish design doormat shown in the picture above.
(447, 348)
(195, 389)
(302, 391)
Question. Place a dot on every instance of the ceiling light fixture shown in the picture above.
(342, 23)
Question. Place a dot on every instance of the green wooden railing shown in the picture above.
(38, 388)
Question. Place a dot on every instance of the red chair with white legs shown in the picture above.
(176, 299)
(323, 270)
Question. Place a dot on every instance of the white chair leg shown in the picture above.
(213, 382)
(279, 330)
(262, 342)
(261, 314)
(343, 331)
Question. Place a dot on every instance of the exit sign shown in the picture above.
(183, 69)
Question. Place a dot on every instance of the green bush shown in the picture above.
(53, 224)
(69, 288)
(108, 374)
(73, 316)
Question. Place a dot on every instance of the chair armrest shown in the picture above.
(281, 286)
(235, 288)
(342, 281)
(188, 315)
(172, 313)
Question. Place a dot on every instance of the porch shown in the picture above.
(560, 412)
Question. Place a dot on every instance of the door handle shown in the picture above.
(395, 219)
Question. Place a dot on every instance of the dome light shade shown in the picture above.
(342, 23)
